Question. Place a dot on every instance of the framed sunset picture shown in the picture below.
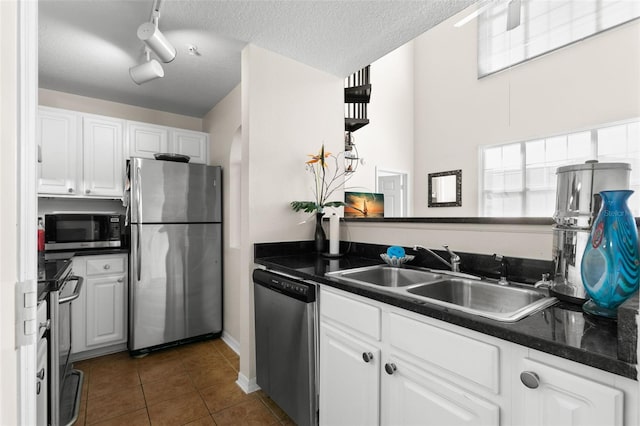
(363, 204)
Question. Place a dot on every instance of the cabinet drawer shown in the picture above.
(354, 314)
(463, 356)
(111, 265)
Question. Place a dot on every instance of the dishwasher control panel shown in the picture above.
(300, 290)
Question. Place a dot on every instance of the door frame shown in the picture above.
(27, 107)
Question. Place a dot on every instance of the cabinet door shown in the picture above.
(103, 161)
(558, 397)
(416, 396)
(99, 315)
(57, 135)
(193, 144)
(349, 385)
(145, 140)
(106, 311)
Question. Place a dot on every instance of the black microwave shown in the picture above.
(66, 231)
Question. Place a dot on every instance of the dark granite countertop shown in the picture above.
(562, 329)
(51, 272)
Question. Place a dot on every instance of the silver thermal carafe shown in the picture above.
(577, 205)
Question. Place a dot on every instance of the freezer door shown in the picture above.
(167, 191)
(175, 283)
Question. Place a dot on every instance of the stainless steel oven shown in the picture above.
(73, 231)
(65, 384)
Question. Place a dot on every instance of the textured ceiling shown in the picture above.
(87, 46)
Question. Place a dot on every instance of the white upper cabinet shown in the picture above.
(146, 140)
(103, 160)
(58, 160)
(193, 144)
(79, 154)
(84, 155)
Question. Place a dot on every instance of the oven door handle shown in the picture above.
(76, 292)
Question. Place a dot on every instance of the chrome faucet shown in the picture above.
(455, 259)
(504, 268)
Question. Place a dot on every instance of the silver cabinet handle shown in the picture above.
(70, 190)
(107, 266)
(530, 379)
(390, 368)
(120, 280)
(38, 388)
(39, 153)
(367, 356)
(46, 325)
(40, 374)
(87, 191)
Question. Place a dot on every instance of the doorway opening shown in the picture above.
(393, 184)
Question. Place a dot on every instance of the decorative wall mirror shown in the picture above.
(445, 189)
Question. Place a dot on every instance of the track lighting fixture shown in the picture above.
(150, 34)
(155, 42)
(146, 71)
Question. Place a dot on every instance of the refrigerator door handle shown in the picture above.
(139, 224)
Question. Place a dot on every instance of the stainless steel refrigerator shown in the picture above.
(175, 283)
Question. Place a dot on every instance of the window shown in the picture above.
(545, 25)
(519, 179)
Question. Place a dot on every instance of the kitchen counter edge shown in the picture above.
(505, 331)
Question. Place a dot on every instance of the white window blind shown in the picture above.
(519, 179)
(545, 25)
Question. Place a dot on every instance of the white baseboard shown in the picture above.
(231, 342)
(247, 385)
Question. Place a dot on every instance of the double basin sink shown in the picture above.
(471, 295)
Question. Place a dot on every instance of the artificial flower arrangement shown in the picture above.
(326, 182)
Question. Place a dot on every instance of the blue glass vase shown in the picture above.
(610, 265)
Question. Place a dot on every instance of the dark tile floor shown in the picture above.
(188, 385)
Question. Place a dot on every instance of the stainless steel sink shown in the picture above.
(503, 303)
(386, 276)
(479, 297)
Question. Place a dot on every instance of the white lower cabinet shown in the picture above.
(380, 364)
(350, 377)
(416, 396)
(99, 315)
(549, 395)
(376, 368)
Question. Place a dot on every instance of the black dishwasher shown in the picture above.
(285, 329)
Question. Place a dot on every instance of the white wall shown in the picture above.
(387, 141)
(591, 82)
(585, 84)
(73, 102)
(288, 111)
(8, 211)
(527, 241)
(222, 123)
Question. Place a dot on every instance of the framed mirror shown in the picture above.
(445, 189)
